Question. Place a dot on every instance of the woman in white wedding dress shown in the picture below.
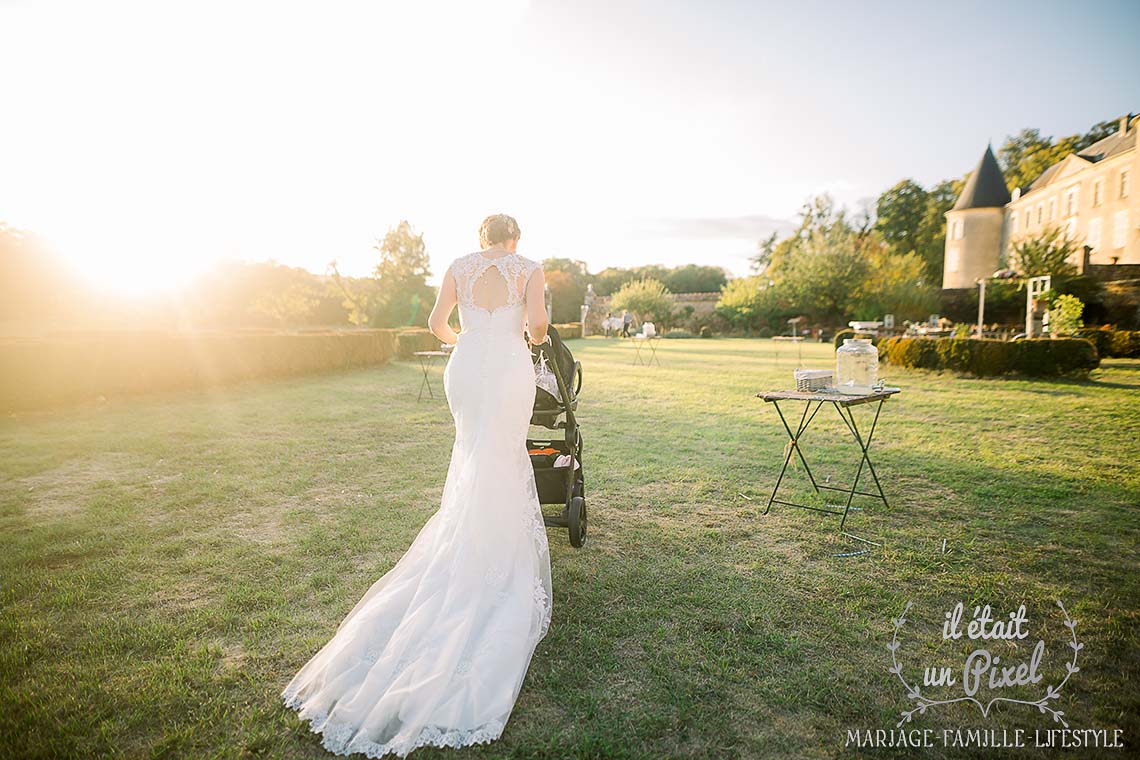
(435, 651)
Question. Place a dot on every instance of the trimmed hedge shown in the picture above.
(988, 358)
(410, 340)
(568, 330)
(1121, 344)
(43, 372)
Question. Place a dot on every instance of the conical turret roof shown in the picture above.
(986, 186)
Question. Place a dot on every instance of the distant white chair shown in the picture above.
(648, 329)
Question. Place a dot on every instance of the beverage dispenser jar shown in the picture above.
(856, 366)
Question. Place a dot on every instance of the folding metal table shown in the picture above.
(426, 358)
(641, 340)
(813, 401)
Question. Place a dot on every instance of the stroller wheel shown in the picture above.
(576, 519)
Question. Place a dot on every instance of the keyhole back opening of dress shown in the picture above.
(491, 289)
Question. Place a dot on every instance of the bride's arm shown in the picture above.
(536, 321)
(445, 301)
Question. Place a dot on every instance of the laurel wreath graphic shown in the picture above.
(923, 703)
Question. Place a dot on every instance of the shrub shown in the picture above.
(1115, 343)
(678, 333)
(1101, 338)
(709, 324)
(988, 358)
(1125, 343)
(1065, 314)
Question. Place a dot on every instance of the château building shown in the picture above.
(1090, 195)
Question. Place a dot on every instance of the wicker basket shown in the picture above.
(814, 379)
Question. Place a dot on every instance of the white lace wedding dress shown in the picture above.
(436, 650)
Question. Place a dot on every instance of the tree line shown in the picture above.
(836, 265)
(887, 258)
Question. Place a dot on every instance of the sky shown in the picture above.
(146, 141)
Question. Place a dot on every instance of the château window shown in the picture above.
(1013, 224)
(952, 260)
(1040, 209)
(1052, 209)
(1096, 192)
(1071, 202)
(1025, 219)
(1124, 183)
(1093, 237)
(1119, 229)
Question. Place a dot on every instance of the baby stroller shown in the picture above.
(557, 461)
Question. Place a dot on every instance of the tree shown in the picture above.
(818, 214)
(284, 296)
(651, 272)
(912, 219)
(566, 296)
(1046, 253)
(902, 215)
(36, 286)
(896, 284)
(932, 249)
(567, 280)
(749, 303)
(825, 275)
(762, 259)
(690, 278)
(1026, 155)
(357, 303)
(403, 297)
(573, 267)
(645, 299)
(694, 278)
(609, 280)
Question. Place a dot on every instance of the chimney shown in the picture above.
(1124, 123)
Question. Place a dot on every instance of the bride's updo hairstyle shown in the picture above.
(498, 228)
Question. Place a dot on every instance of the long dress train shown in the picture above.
(436, 650)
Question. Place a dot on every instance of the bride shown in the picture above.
(435, 651)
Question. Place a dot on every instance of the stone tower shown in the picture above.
(975, 227)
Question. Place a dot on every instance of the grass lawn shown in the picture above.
(167, 562)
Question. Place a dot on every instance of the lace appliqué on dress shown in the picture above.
(468, 269)
(541, 546)
(342, 739)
